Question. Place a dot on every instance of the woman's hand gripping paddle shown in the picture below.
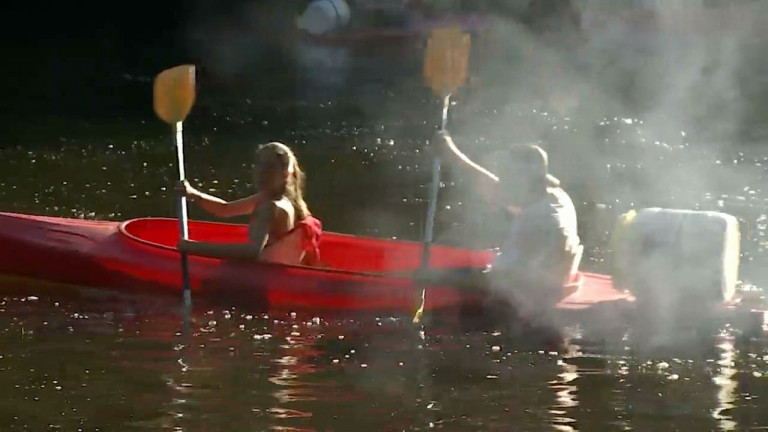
(445, 70)
(173, 97)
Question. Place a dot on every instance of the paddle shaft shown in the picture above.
(433, 191)
(182, 209)
(445, 69)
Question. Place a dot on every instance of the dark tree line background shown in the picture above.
(69, 57)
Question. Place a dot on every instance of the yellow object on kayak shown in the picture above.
(691, 254)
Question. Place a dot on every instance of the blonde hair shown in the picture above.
(294, 186)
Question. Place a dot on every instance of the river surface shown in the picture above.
(99, 361)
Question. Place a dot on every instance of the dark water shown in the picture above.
(98, 361)
(126, 364)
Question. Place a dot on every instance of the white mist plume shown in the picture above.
(614, 111)
(639, 114)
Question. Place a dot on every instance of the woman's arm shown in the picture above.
(268, 215)
(219, 207)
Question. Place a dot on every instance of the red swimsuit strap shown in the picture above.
(310, 224)
(313, 230)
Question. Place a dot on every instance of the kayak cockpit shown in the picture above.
(337, 251)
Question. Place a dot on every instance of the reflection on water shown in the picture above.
(97, 364)
(726, 394)
(565, 394)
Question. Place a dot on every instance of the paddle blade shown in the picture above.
(174, 93)
(446, 60)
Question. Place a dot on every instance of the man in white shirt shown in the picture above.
(541, 249)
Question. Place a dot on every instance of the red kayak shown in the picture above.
(139, 255)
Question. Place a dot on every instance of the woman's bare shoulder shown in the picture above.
(283, 204)
(283, 214)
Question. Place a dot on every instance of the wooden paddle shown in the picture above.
(445, 70)
(173, 97)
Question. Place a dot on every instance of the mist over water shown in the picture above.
(636, 87)
(641, 109)
(654, 106)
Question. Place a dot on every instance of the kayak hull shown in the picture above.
(138, 256)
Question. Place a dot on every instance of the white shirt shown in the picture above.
(542, 235)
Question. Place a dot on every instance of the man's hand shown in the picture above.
(184, 189)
